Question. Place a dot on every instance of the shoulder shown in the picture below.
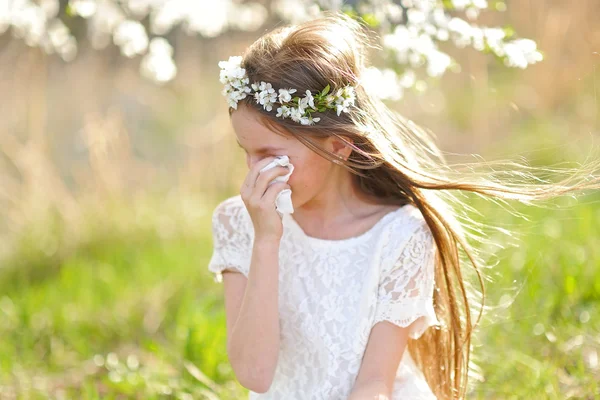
(232, 237)
(407, 220)
(232, 216)
(229, 205)
(408, 226)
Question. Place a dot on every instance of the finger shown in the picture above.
(250, 180)
(265, 178)
(255, 171)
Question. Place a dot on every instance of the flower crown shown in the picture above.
(298, 109)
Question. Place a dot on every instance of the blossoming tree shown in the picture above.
(410, 31)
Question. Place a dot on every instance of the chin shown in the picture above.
(299, 202)
(296, 202)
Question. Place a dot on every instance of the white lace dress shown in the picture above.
(332, 292)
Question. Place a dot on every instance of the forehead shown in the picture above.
(250, 132)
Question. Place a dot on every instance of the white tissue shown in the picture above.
(283, 202)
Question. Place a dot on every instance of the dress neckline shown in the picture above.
(333, 242)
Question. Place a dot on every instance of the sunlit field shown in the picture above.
(108, 183)
(132, 313)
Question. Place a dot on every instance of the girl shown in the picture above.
(360, 293)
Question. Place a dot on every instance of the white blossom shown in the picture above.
(438, 63)
(410, 33)
(233, 76)
(307, 100)
(349, 94)
(158, 64)
(410, 30)
(309, 120)
(131, 37)
(283, 111)
(521, 52)
(267, 96)
(285, 95)
(383, 83)
(344, 98)
(296, 114)
(474, 4)
(84, 8)
(414, 42)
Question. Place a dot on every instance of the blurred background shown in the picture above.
(109, 175)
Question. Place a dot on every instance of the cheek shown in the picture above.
(308, 173)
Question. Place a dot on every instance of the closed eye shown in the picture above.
(269, 150)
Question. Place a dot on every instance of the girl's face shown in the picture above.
(311, 171)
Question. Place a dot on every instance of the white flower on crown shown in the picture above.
(283, 111)
(267, 96)
(231, 70)
(330, 99)
(309, 120)
(285, 95)
(235, 80)
(308, 100)
(344, 98)
(236, 88)
(349, 94)
(296, 114)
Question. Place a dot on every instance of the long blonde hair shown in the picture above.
(398, 162)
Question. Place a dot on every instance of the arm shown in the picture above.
(247, 232)
(253, 318)
(383, 353)
(404, 310)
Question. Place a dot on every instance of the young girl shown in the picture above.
(359, 293)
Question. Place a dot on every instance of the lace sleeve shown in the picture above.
(405, 294)
(232, 240)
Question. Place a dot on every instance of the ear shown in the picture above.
(340, 147)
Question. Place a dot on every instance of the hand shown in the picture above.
(259, 198)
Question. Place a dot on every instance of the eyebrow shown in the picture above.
(262, 149)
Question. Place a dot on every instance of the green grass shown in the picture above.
(541, 337)
(135, 314)
(145, 299)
